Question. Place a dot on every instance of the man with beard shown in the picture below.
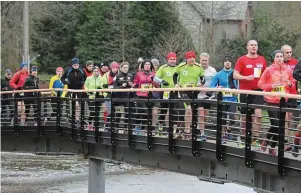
(221, 80)
(88, 70)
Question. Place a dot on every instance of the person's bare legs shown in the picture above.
(243, 126)
(257, 124)
(288, 119)
(155, 116)
(201, 119)
(167, 118)
(188, 119)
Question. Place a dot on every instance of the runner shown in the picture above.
(144, 79)
(209, 73)
(74, 78)
(156, 64)
(221, 80)
(276, 78)
(31, 82)
(164, 77)
(104, 68)
(188, 74)
(7, 106)
(248, 70)
(17, 82)
(123, 80)
(88, 70)
(291, 103)
(108, 81)
(55, 82)
(93, 82)
(296, 142)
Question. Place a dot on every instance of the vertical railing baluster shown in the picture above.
(16, 126)
(39, 112)
(82, 117)
(96, 118)
(112, 118)
(131, 144)
(149, 124)
(171, 147)
(73, 113)
(219, 128)
(248, 152)
(194, 131)
(58, 116)
(281, 129)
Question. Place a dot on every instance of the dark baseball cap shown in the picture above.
(8, 71)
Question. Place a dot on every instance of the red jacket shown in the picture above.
(143, 80)
(87, 72)
(18, 80)
(276, 74)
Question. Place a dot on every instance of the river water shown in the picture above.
(29, 173)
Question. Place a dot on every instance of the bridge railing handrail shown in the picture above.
(235, 91)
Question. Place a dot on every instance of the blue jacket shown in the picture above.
(222, 79)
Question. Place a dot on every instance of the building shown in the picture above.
(208, 22)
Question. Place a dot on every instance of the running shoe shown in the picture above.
(295, 151)
(263, 146)
(256, 144)
(273, 152)
(224, 140)
(241, 144)
(137, 130)
(203, 137)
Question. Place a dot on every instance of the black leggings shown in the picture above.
(274, 129)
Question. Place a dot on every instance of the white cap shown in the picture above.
(140, 60)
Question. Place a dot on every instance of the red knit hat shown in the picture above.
(114, 65)
(59, 69)
(190, 54)
(171, 55)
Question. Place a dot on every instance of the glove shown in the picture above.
(99, 87)
(105, 85)
(165, 83)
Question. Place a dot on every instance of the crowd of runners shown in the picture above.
(248, 72)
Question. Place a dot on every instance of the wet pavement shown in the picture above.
(29, 173)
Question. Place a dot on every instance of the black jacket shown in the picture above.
(31, 82)
(5, 87)
(297, 71)
(74, 78)
(119, 80)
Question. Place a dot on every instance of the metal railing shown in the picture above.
(130, 115)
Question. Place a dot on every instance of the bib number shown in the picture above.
(110, 87)
(21, 93)
(279, 89)
(227, 94)
(166, 94)
(146, 86)
(257, 72)
(190, 85)
(118, 109)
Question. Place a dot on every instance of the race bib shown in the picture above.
(118, 109)
(279, 89)
(166, 94)
(190, 85)
(257, 72)
(21, 94)
(111, 87)
(146, 86)
(227, 94)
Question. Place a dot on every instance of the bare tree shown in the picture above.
(175, 40)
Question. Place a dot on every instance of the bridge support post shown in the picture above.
(96, 182)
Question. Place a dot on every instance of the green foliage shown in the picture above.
(54, 36)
